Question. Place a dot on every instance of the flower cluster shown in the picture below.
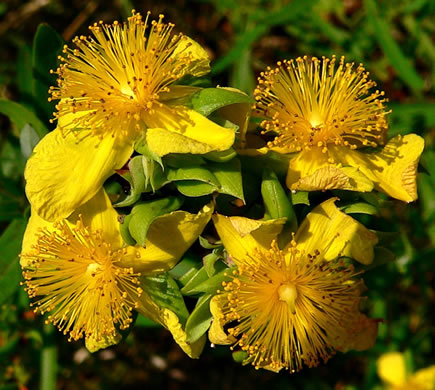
(129, 116)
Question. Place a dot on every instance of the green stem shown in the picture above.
(48, 360)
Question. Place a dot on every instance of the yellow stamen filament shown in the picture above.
(285, 309)
(115, 78)
(315, 103)
(72, 273)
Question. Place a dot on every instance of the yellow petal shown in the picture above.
(178, 129)
(99, 214)
(360, 336)
(93, 344)
(216, 333)
(392, 368)
(241, 236)
(334, 233)
(168, 237)
(30, 237)
(393, 169)
(65, 171)
(311, 171)
(199, 63)
(424, 379)
(171, 322)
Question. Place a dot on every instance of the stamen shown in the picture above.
(285, 309)
(310, 103)
(114, 79)
(73, 274)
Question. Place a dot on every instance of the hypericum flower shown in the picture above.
(115, 88)
(87, 280)
(297, 306)
(392, 371)
(324, 112)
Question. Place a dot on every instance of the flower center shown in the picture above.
(286, 309)
(288, 293)
(114, 80)
(73, 275)
(311, 103)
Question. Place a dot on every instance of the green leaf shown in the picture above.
(192, 173)
(20, 116)
(193, 181)
(392, 49)
(300, 197)
(125, 233)
(144, 213)
(220, 157)
(187, 268)
(145, 174)
(207, 245)
(164, 291)
(229, 175)
(359, 208)
(136, 180)
(201, 282)
(10, 244)
(199, 320)
(209, 263)
(47, 45)
(213, 284)
(28, 140)
(175, 160)
(276, 202)
(225, 178)
(142, 147)
(155, 178)
(199, 277)
(194, 189)
(208, 100)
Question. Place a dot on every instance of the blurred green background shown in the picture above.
(394, 40)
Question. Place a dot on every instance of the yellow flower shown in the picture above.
(115, 88)
(87, 280)
(392, 371)
(293, 307)
(324, 113)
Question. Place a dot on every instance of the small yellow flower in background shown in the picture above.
(297, 306)
(392, 371)
(324, 113)
(115, 88)
(87, 280)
